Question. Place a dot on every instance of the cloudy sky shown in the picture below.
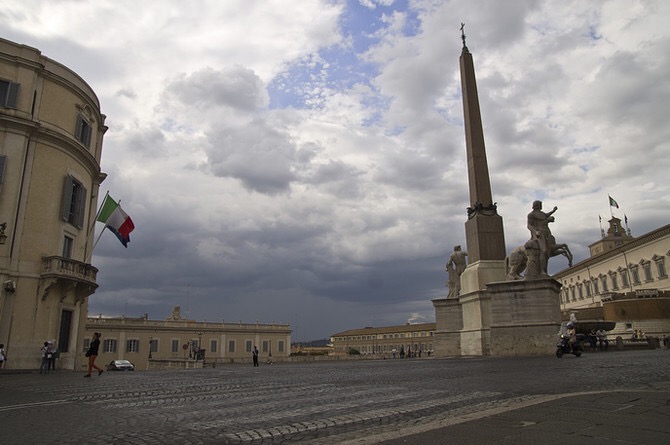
(304, 161)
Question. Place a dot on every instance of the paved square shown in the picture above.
(361, 402)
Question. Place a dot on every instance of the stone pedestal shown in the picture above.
(476, 303)
(525, 316)
(475, 334)
(448, 325)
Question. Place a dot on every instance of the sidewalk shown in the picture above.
(615, 417)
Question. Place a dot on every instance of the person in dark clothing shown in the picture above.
(593, 339)
(44, 351)
(52, 353)
(255, 355)
(92, 354)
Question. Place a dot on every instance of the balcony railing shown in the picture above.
(66, 268)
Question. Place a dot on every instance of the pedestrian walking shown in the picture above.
(92, 354)
(45, 356)
(255, 355)
(3, 355)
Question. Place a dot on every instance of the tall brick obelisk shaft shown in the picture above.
(484, 229)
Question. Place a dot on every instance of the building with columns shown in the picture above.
(625, 280)
(384, 340)
(51, 132)
(162, 343)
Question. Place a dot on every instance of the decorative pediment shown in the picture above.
(85, 111)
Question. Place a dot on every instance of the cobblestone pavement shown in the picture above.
(317, 403)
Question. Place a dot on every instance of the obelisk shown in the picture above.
(484, 228)
(491, 316)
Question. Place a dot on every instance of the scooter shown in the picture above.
(563, 346)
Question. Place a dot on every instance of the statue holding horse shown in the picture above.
(534, 254)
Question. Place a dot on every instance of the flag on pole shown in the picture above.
(613, 203)
(116, 220)
(625, 218)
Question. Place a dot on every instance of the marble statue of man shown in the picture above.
(455, 267)
(538, 224)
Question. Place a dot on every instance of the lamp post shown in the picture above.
(150, 344)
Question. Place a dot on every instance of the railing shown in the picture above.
(61, 267)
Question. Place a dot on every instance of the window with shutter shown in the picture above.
(82, 131)
(74, 202)
(68, 242)
(9, 94)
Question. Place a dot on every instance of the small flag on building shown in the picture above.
(613, 203)
(116, 220)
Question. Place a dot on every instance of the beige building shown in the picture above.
(161, 343)
(385, 340)
(624, 280)
(51, 132)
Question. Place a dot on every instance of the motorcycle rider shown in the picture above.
(571, 332)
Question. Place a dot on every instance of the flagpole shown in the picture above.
(609, 201)
(100, 209)
(99, 236)
(626, 221)
(92, 228)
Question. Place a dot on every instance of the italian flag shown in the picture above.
(116, 220)
(613, 203)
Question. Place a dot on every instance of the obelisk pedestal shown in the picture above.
(525, 316)
(448, 325)
(475, 302)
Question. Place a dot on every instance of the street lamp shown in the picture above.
(150, 344)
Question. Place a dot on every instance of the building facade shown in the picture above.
(51, 133)
(146, 343)
(626, 278)
(385, 340)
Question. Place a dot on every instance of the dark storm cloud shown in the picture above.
(260, 156)
(339, 211)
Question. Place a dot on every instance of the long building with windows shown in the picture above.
(385, 340)
(51, 132)
(625, 280)
(148, 343)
